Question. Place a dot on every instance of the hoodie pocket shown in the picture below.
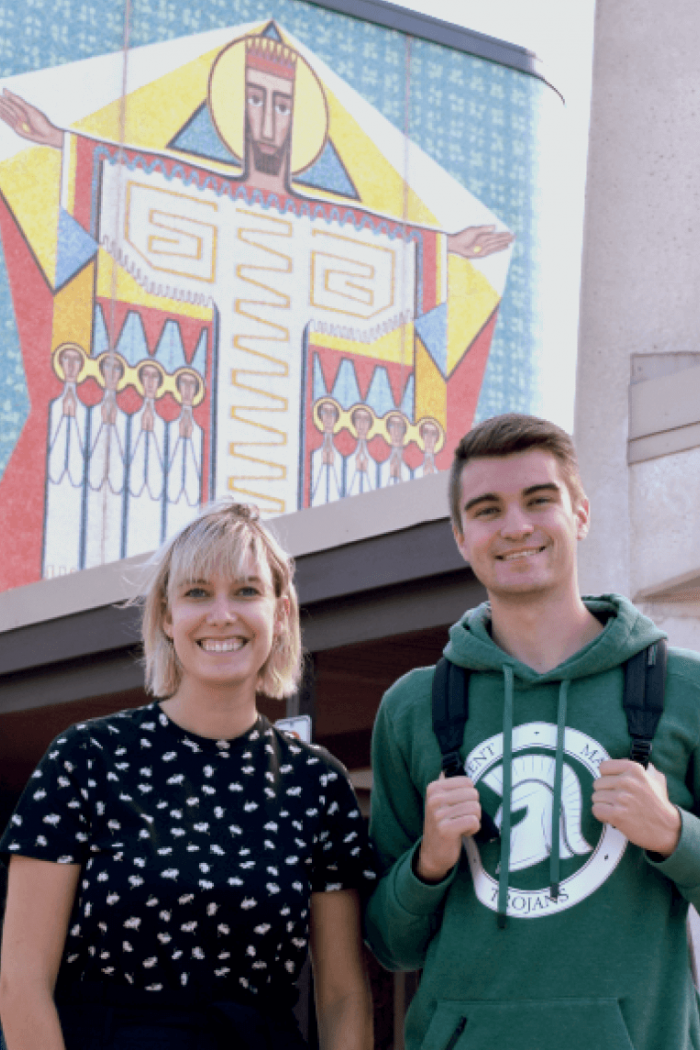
(543, 1024)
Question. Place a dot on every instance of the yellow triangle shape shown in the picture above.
(470, 303)
(72, 311)
(430, 387)
(380, 186)
(31, 183)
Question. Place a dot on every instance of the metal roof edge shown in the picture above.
(437, 31)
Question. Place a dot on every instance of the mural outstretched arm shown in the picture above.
(475, 242)
(28, 121)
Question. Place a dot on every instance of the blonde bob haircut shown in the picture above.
(226, 537)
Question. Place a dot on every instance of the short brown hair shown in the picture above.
(225, 535)
(507, 435)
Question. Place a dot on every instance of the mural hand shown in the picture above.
(635, 801)
(69, 404)
(109, 413)
(452, 810)
(148, 419)
(475, 242)
(28, 121)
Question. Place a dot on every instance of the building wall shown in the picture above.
(638, 394)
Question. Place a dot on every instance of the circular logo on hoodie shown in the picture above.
(589, 851)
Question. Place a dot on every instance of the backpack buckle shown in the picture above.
(452, 765)
(488, 832)
(640, 751)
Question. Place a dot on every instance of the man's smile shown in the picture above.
(525, 553)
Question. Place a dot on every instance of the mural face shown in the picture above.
(240, 278)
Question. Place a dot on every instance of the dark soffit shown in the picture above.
(335, 585)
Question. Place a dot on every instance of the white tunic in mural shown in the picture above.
(64, 483)
(146, 499)
(106, 476)
(186, 450)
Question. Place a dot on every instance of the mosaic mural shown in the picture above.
(231, 264)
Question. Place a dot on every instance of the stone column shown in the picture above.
(637, 422)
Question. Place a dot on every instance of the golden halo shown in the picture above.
(199, 396)
(136, 380)
(440, 443)
(227, 98)
(58, 367)
(370, 413)
(394, 412)
(338, 425)
(124, 379)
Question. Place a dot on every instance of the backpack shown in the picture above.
(642, 700)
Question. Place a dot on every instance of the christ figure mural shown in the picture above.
(331, 258)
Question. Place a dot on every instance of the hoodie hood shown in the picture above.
(626, 632)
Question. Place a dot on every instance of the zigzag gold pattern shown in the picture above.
(244, 378)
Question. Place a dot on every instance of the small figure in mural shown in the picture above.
(327, 463)
(429, 432)
(106, 469)
(65, 470)
(361, 467)
(186, 444)
(395, 469)
(146, 500)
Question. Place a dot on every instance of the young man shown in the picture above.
(568, 929)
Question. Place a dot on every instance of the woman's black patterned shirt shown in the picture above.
(198, 856)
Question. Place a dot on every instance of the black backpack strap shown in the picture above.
(643, 698)
(450, 714)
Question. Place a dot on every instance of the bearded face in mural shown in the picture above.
(276, 248)
(269, 91)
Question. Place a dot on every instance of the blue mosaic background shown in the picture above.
(478, 120)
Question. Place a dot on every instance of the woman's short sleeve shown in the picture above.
(343, 857)
(51, 820)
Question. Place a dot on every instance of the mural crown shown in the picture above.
(270, 56)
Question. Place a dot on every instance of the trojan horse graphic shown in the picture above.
(533, 790)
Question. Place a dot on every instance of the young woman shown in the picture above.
(170, 864)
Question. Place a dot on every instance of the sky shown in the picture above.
(561, 35)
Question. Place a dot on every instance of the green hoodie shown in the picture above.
(603, 964)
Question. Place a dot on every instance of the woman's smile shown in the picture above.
(221, 645)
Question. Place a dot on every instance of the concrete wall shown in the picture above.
(638, 396)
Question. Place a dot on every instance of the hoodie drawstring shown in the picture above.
(554, 857)
(507, 789)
